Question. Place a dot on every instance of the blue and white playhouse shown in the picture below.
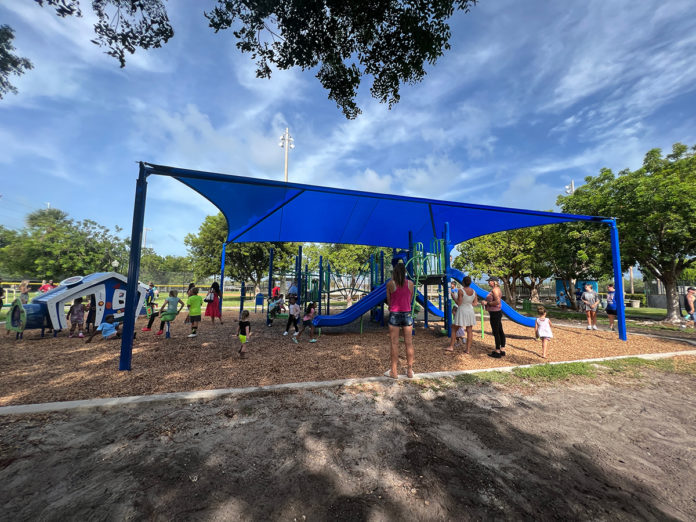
(109, 291)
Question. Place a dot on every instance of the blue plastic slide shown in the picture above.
(432, 309)
(350, 314)
(507, 309)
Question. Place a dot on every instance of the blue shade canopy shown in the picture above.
(267, 210)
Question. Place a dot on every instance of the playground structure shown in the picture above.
(48, 310)
(261, 210)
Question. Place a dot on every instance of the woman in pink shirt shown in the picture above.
(399, 295)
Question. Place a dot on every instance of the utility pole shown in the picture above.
(145, 230)
(287, 143)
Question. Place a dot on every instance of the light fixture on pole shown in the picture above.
(286, 142)
(569, 189)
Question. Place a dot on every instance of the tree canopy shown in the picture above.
(10, 63)
(512, 255)
(243, 261)
(388, 40)
(655, 207)
(53, 246)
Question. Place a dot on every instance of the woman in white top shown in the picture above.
(465, 317)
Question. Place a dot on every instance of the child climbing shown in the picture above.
(108, 328)
(293, 315)
(542, 329)
(244, 332)
(170, 309)
(194, 303)
(76, 316)
(310, 311)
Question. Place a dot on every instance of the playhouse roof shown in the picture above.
(267, 210)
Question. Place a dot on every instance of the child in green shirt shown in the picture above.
(194, 303)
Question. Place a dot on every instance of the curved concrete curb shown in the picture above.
(45, 407)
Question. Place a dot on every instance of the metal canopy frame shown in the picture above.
(263, 219)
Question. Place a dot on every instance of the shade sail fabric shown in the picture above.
(267, 210)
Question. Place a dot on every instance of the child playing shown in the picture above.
(76, 316)
(293, 315)
(194, 303)
(91, 312)
(244, 332)
(169, 309)
(108, 328)
(307, 321)
(542, 329)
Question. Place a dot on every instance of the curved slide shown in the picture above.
(432, 309)
(367, 303)
(507, 309)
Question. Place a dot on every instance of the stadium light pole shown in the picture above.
(287, 143)
(569, 189)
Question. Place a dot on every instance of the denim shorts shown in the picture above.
(400, 319)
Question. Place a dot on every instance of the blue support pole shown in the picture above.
(321, 279)
(133, 271)
(448, 301)
(306, 283)
(410, 252)
(270, 287)
(298, 275)
(618, 278)
(381, 282)
(222, 275)
(372, 272)
(328, 290)
(241, 301)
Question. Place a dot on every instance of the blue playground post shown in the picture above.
(448, 301)
(270, 286)
(133, 271)
(298, 274)
(381, 282)
(241, 301)
(321, 279)
(618, 278)
(328, 290)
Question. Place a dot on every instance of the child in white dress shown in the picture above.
(542, 329)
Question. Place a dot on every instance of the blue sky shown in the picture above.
(531, 95)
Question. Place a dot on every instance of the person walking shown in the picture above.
(590, 302)
(494, 306)
(399, 297)
(611, 305)
(212, 309)
(690, 305)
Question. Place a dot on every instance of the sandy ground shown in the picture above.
(605, 449)
(51, 369)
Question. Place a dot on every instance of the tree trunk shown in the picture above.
(510, 291)
(672, 294)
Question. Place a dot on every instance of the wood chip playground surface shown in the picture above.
(35, 370)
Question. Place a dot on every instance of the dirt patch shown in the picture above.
(51, 369)
(606, 449)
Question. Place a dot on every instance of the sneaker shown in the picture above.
(70, 336)
(295, 334)
(495, 355)
(589, 328)
(295, 341)
(594, 327)
(312, 340)
(146, 329)
(193, 335)
(81, 335)
(285, 333)
(160, 332)
(502, 352)
(611, 328)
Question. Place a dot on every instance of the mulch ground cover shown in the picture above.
(35, 369)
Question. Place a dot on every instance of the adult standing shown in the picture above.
(399, 298)
(590, 302)
(212, 309)
(45, 287)
(494, 306)
(611, 306)
(690, 305)
(465, 317)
